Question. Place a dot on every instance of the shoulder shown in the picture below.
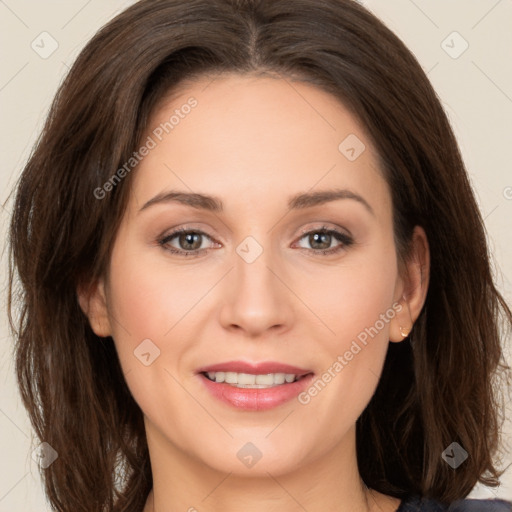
(417, 504)
(473, 505)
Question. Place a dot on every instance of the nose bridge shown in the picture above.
(258, 298)
(252, 267)
(252, 274)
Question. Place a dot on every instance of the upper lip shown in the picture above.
(261, 368)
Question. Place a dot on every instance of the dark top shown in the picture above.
(415, 504)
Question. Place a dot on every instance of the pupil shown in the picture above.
(188, 238)
(317, 238)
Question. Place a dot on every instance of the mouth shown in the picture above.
(254, 387)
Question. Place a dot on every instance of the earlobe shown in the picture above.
(404, 331)
(401, 324)
(415, 287)
(93, 303)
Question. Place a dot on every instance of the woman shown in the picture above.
(184, 343)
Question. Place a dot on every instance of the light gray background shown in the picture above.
(475, 89)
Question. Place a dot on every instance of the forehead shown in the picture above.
(253, 139)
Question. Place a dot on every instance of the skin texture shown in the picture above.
(254, 142)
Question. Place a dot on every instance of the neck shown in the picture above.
(330, 482)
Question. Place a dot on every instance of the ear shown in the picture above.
(93, 302)
(412, 288)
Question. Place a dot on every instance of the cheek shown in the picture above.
(351, 296)
(149, 299)
(355, 301)
(151, 309)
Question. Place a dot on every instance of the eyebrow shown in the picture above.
(297, 202)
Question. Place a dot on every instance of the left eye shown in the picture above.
(322, 239)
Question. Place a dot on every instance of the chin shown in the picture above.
(255, 458)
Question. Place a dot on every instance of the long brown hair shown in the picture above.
(438, 387)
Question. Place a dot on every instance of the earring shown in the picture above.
(404, 332)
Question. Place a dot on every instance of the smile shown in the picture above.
(259, 387)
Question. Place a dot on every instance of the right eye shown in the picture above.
(189, 242)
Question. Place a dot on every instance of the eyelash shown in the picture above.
(346, 241)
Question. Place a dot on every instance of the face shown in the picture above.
(268, 277)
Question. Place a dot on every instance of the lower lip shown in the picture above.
(256, 399)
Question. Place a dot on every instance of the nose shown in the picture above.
(256, 297)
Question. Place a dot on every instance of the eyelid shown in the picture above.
(170, 234)
(325, 226)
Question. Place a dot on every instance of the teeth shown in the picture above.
(248, 380)
(279, 378)
(217, 376)
(230, 378)
(268, 380)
